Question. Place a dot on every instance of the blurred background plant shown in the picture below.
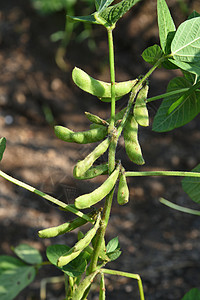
(71, 7)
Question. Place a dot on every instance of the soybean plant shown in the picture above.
(86, 260)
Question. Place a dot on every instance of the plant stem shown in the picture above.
(180, 208)
(126, 274)
(162, 173)
(111, 157)
(172, 93)
(46, 196)
(112, 109)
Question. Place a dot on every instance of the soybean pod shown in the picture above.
(80, 245)
(63, 228)
(140, 110)
(83, 165)
(100, 88)
(97, 195)
(83, 286)
(96, 119)
(93, 172)
(83, 137)
(132, 145)
(123, 190)
(118, 117)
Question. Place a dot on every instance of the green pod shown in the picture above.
(83, 137)
(63, 228)
(123, 190)
(100, 88)
(140, 110)
(118, 116)
(79, 246)
(132, 145)
(83, 165)
(83, 286)
(97, 195)
(93, 172)
(96, 119)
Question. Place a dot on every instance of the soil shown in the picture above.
(160, 244)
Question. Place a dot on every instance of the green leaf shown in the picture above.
(193, 294)
(14, 280)
(152, 54)
(183, 114)
(183, 97)
(74, 268)
(191, 186)
(9, 262)
(104, 4)
(194, 14)
(2, 147)
(114, 255)
(112, 245)
(97, 4)
(87, 19)
(186, 43)
(193, 68)
(113, 13)
(189, 76)
(28, 254)
(165, 24)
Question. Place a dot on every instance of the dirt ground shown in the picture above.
(158, 243)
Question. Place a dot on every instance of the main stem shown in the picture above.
(111, 156)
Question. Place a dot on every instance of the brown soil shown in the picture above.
(158, 243)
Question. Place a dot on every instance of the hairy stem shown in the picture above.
(111, 157)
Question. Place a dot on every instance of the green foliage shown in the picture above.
(193, 294)
(113, 13)
(28, 254)
(107, 15)
(152, 54)
(186, 47)
(165, 24)
(181, 115)
(75, 268)
(14, 276)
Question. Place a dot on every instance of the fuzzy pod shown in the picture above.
(63, 228)
(93, 172)
(82, 137)
(123, 190)
(132, 145)
(140, 110)
(84, 165)
(100, 88)
(80, 245)
(96, 119)
(97, 195)
(118, 117)
(83, 286)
